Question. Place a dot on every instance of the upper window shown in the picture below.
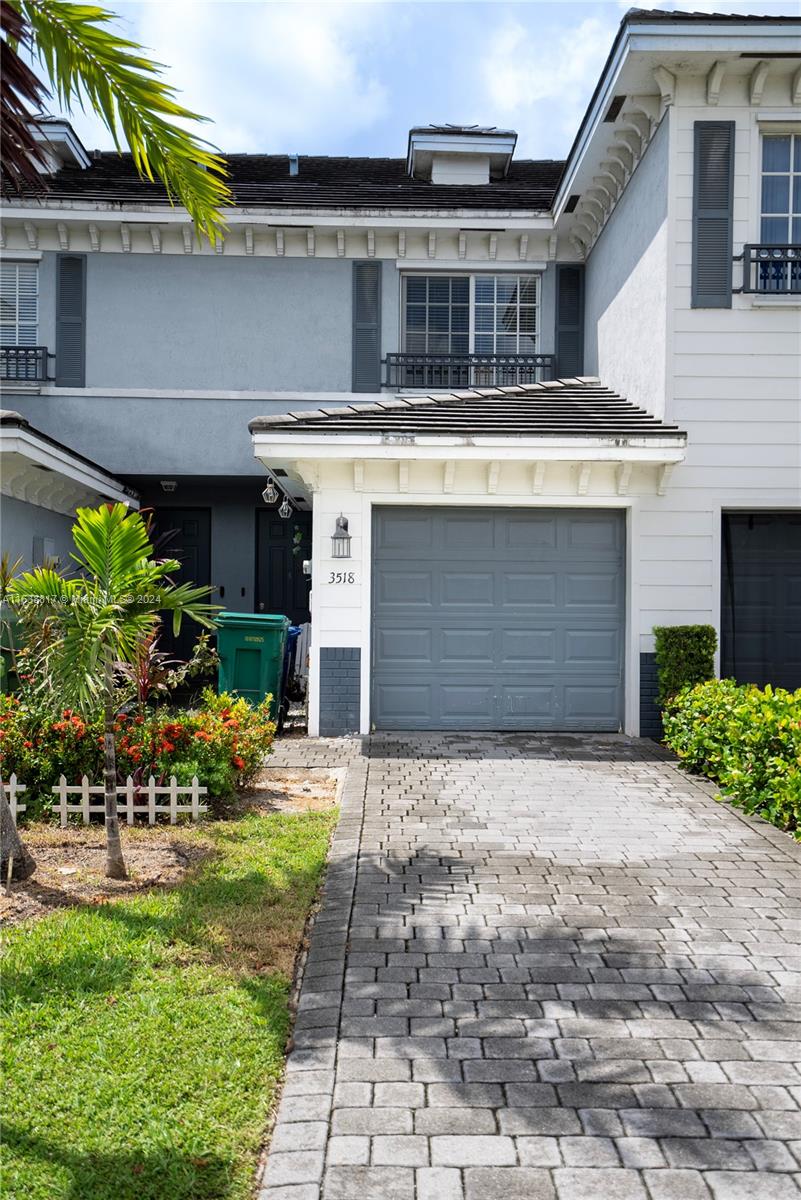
(19, 303)
(781, 189)
(465, 314)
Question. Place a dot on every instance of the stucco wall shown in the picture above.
(626, 286)
(22, 522)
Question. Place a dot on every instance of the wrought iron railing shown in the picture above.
(770, 270)
(24, 364)
(434, 371)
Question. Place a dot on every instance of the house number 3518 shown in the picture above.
(341, 577)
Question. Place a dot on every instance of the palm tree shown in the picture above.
(99, 617)
(88, 63)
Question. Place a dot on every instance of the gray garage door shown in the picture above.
(488, 618)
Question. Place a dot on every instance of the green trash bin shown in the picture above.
(251, 649)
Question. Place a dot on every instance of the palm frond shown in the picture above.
(89, 63)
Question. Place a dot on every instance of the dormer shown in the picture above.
(459, 154)
(60, 144)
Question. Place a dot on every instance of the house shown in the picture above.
(522, 412)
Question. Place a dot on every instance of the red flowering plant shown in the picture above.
(223, 742)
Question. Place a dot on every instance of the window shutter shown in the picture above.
(367, 327)
(713, 190)
(569, 321)
(71, 321)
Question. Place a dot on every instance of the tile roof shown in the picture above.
(560, 408)
(647, 16)
(321, 182)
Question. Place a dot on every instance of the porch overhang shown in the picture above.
(39, 470)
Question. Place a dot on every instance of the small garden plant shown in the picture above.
(747, 739)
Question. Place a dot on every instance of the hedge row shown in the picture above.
(748, 740)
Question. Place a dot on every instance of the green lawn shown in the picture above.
(143, 1039)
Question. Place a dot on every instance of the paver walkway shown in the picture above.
(545, 968)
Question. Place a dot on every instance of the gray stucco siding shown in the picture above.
(625, 299)
(215, 322)
(22, 522)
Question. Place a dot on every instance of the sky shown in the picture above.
(351, 78)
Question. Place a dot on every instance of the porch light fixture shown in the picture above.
(340, 539)
(286, 509)
(270, 493)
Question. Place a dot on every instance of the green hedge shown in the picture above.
(685, 654)
(748, 740)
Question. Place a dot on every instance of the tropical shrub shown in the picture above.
(685, 654)
(223, 741)
(745, 738)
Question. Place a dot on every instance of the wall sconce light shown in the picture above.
(340, 539)
(285, 509)
(270, 493)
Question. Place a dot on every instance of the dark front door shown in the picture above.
(761, 598)
(281, 547)
(185, 534)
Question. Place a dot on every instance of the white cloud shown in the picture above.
(541, 83)
(272, 77)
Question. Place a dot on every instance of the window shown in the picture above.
(781, 189)
(19, 303)
(452, 324)
(471, 314)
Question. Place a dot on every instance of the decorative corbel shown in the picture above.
(492, 249)
(714, 81)
(666, 82)
(32, 234)
(663, 478)
(462, 245)
(311, 248)
(403, 475)
(493, 473)
(358, 475)
(401, 243)
(249, 244)
(585, 470)
(63, 236)
(125, 239)
(94, 237)
(155, 239)
(522, 250)
(537, 478)
(340, 243)
(756, 84)
(448, 473)
(553, 245)
(187, 233)
(371, 243)
(623, 478)
(432, 245)
(280, 243)
(795, 88)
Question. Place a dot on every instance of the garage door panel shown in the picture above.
(592, 589)
(397, 645)
(405, 589)
(465, 702)
(592, 646)
(510, 619)
(400, 528)
(529, 532)
(594, 532)
(468, 589)
(529, 588)
(528, 646)
(471, 532)
(473, 646)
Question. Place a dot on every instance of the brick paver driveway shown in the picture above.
(545, 968)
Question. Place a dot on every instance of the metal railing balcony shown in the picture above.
(24, 364)
(770, 270)
(450, 371)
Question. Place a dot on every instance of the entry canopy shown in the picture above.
(567, 421)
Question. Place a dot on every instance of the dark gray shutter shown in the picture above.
(71, 321)
(569, 321)
(367, 327)
(713, 191)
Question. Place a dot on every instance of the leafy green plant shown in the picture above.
(98, 618)
(745, 738)
(223, 741)
(87, 62)
(685, 654)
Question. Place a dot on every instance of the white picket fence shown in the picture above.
(133, 798)
(12, 790)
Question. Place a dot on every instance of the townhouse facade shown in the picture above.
(513, 413)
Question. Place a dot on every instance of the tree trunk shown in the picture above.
(11, 845)
(115, 863)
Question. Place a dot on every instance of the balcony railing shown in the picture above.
(770, 270)
(24, 364)
(434, 371)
